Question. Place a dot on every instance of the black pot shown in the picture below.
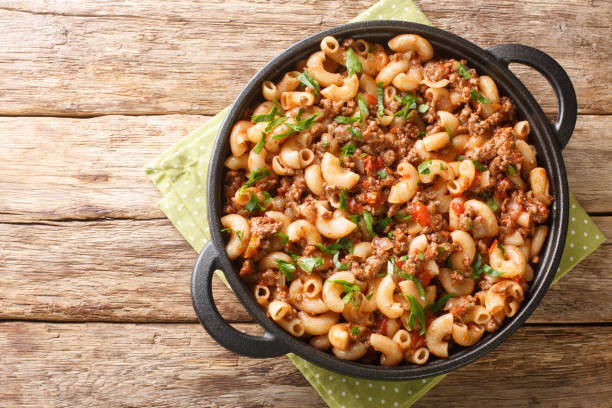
(548, 139)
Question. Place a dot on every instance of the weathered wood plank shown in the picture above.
(143, 57)
(58, 168)
(178, 365)
(126, 270)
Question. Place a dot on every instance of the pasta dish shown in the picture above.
(383, 204)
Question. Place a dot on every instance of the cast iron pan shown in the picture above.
(548, 139)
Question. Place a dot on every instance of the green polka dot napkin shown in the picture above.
(180, 174)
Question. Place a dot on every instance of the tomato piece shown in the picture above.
(424, 277)
(458, 208)
(493, 245)
(371, 99)
(381, 327)
(420, 214)
(417, 340)
(379, 163)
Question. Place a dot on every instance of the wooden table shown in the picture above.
(94, 280)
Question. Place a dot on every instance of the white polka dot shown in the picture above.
(343, 393)
(199, 186)
(558, 269)
(167, 206)
(369, 398)
(184, 195)
(344, 380)
(395, 404)
(343, 405)
(596, 236)
(572, 232)
(356, 396)
(317, 376)
(572, 245)
(356, 382)
(573, 218)
(202, 147)
(370, 385)
(179, 222)
(192, 225)
(409, 392)
(330, 377)
(586, 235)
(573, 205)
(382, 387)
(571, 258)
(379, 17)
(186, 182)
(200, 173)
(584, 247)
(423, 381)
(396, 389)
(197, 199)
(191, 238)
(586, 221)
(195, 213)
(329, 391)
(405, 8)
(382, 401)
(175, 166)
(173, 178)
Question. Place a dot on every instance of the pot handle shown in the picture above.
(556, 76)
(204, 305)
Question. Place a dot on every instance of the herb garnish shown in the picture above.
(511, 170)
(348, 149)
(382, 174)
(343, 203)
(345, 120)
(309, 82)
(379, 97)
(260, 143)
(286, 268)
(479, 166)
(416, 312)
(382, 224)
(423, 168)
(308, 264)
(255, 176)
(238, 233)
(490, 201)
(283, 236)
(369, 222)
(480, 268)
(478, 97)
(353, 65)
(339, 265)
(355, 330)
(356, 133)
(463, 71)
(266, 117)
(409, 103)
(363, 108)
(439, 304)
(340, 243)
(349, 288)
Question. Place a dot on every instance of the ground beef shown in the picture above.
(459, 305)
(486, 126)
(248, 267)
(436, 71)
(263, 227)
(297, 188)
(373, 264)
(234, 179)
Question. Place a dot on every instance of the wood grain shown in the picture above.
(61, 168)
(146, 57)
(178, 365)
(124, 270)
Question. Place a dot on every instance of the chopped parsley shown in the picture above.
(355, 218)
(416, 312)
(468, 224)
(390, 235)
(479, 268)
(283, 236)
(490, 201)
(343, 204)
(439, 304)
(511, 170)
(382, 174)
(501, 248)
(441, 166)
(266, 117)
(371, 49)
(309, 82)
(348, 149)
(475, 95)
(369, 297)
(260, 143)
(299, 114)
(369, 222)
(404, 257)
(309, 263)
(421, 255)
(286, 268)
(324, 144)
(353, 65)
(382, 224)
(349, 289)
(441, 249)
(448, 132)
(479, 166)
(238, 233)
(339, 265)
(416, 281)
(356, 133)
(460, 157)
(299, 126)
(402, 217)
(422, 108)
(355, 330)
(409, 103)
(255, 176)
(421, 133)
(346, 120)
(254, 203)
(363, 108)
(423, 168)
(293, 256)
(463, 71)
(340, 243)
(379, 98)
